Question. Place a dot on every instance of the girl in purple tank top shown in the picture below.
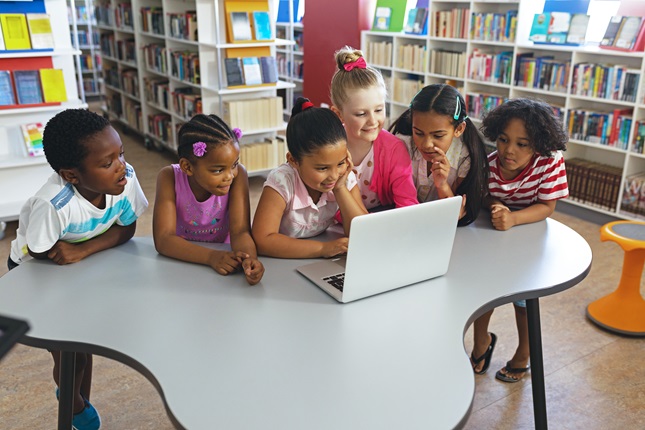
(205, 198)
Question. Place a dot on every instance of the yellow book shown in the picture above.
(40, 30)
(53, 85)
(15, 31)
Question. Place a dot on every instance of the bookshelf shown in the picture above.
(455, 61)
(20, 174)
(158, 71)
(290, 58)
(81, 17)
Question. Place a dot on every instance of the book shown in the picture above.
(252, 71)
(53, 85)
(15, 31)
(559, 27)
(28, 89)
(2, 47)
(382, 18)
(40, 31)
(240, 26)
(261, 25)
(269, 70)
(7, 97)
(33, 137)
(234, 71)
(412, 17)
(417, 19)
(578, 29)
(612, 31)
(540, 27)
(628, 32)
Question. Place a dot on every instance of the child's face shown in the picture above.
(321, 169)
(514, 149)
(103, 169)
(213, 173)
(363, 114)
(431, 130)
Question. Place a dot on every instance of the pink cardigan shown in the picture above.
(392, 178)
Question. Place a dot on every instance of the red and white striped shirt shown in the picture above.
(544, 178)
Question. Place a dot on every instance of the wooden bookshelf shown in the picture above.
(482, 93)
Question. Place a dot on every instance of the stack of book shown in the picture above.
(604, 128)
(379, 53)
(544, 72)
(404, 89)
(186, 102)
(247, 71)
(132, 114)
(108, 48)
(478, 104)
(160, 126)
(497, 27)
(450, 24)
(262, 155)
(123, 16)
(413, 58)
(152, 20)
(130, 82)
(491, 67)
(605, 81)
(156, 57)
(638, 142)
(594, 184)
(255, 114)
(448, 63)
(157, 91)
(126, 50)
(184, 65)
(183, 25)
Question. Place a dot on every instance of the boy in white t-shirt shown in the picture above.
(91, 203)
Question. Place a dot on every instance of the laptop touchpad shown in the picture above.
(341, 261)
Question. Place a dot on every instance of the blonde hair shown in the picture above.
(356, 78)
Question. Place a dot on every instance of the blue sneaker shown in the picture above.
(87, 419)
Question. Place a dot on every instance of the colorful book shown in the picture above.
(559, 27)
(234, 71)
(53, 85)
(15, 31)
(7, 97)
(240, 26)
(261, 25)
(269, 70)
(628, 33)
(33, 137)
(28, 89)
(252, 71)
(612, 31)
(40, 31)
(540, 27)
(382, 18)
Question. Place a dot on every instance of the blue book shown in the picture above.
(269, 70)
(540, 27)
(28, 86)
(252, 71)
(6, 89)
(262, 25)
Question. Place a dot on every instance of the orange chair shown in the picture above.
(623, 311)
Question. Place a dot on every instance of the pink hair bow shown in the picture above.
(360, 63)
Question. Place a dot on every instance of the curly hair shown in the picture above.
(210, 129)
(311, 128)
(544, 129)
(357, 78)
(66, 134)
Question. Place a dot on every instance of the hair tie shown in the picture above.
(307, 105)
(238, 133)
(199, 149)
(360, 64)
(457, 110)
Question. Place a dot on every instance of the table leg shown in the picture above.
(66, 390)
(537, 366)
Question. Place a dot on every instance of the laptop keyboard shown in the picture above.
(336, 281)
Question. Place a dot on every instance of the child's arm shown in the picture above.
(403, 190)
(65, 253)
(164, 225)
(266, 226)
(240, 226)
(503, 218)
(440, 171)
(349, 201)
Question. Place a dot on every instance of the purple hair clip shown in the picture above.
(199, 149)
(237, 132)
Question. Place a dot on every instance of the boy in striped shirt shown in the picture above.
(526, 179)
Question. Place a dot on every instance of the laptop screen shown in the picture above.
(11, 330)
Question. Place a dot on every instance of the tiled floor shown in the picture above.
(594, 379)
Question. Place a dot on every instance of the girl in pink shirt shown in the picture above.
(381, 161)
(205, 198)
(300, 198)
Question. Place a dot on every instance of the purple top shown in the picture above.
(205, 221)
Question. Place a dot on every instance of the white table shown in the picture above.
(283, 354)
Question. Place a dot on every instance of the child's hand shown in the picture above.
(501, 217)
(224, 262)
(253, 270)
(342, 180)
(440, 168)
(335, 247)
(462, 211)
(65, 253)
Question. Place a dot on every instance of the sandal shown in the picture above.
(486, 356)
(504, 373)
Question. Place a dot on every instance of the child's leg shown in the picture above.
(79, 371)
(482, 339)
(523, 352)
(86, 385)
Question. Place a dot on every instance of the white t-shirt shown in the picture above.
(59, 212)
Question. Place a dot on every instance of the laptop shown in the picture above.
(389, 250)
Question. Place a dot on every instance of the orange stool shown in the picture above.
(623, 311)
